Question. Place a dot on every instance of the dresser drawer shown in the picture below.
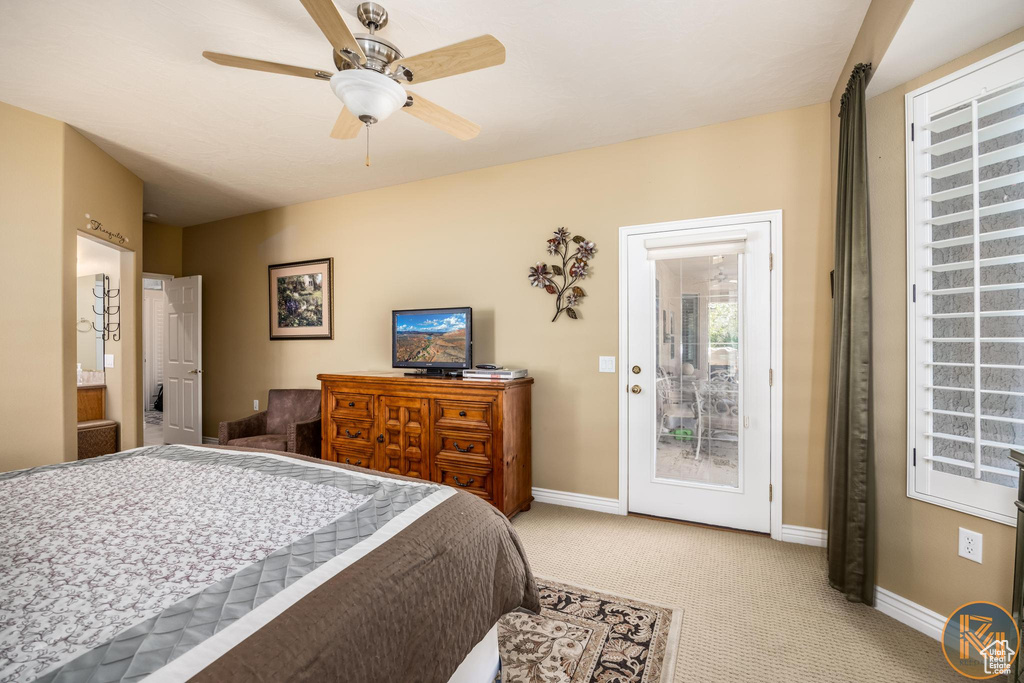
(463, 447)
(353, 456)
(476, 480)
(351, 405)
(351, 432)
(462, 414)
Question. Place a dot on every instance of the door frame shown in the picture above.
(774, 218)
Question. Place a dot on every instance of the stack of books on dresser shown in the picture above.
(495, 373)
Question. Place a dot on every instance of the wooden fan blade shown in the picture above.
(469, 55)
(270, 67)
(439, 117)
(327, 17)
(347, 126)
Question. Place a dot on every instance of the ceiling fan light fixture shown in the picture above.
(369, 95)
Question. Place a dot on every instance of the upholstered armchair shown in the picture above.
(290, 423)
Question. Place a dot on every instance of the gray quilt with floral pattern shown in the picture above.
(102, 557)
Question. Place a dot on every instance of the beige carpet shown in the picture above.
(754, 609)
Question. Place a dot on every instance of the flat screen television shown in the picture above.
(435, 340)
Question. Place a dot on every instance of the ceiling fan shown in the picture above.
(372, 70)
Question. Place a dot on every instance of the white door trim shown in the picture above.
(775, 219)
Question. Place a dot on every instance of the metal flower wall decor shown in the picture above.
(576, 253)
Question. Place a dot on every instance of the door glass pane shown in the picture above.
(697, 332)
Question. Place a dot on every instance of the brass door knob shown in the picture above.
(635, 388)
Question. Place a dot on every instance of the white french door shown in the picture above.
(183, 379)
(698, 362)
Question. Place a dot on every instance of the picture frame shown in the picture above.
(301, 299)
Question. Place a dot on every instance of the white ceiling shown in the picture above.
(212, 142)
(938, 31)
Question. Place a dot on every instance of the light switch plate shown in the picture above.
(256, 404)
(108, 360)
(606, 363)
(970, 545)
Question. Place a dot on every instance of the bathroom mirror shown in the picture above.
(89, 320)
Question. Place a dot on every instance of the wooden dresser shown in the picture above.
(472, 434)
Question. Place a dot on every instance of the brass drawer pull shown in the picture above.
(351, 404)
(467, 449)
(357, 463)
(462, 413)
(350, 435)
(459, 483)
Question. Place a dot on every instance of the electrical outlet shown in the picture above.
(970, 545)
(606, 363)
(256, 404)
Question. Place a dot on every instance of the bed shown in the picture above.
(175, 563)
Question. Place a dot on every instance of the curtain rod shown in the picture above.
(861, 70)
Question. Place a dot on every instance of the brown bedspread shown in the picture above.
(409, 611)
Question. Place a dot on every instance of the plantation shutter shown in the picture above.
(966, 269)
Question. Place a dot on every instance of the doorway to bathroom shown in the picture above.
(104, 326)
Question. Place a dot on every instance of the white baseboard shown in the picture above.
(210, 439)
(804, 535)
(577, 500)
(915, 616)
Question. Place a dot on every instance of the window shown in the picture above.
(965, 254)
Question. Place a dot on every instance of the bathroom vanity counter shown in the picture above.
(92, 402)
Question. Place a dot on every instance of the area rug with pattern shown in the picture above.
(585, 636)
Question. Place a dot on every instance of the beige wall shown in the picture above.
(97, 185)
(467, 239)
(917, 541)
(163, 249)
(50, 177)
(33, 259)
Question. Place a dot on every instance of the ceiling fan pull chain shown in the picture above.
(367, 144)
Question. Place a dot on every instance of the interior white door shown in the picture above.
(699, 353)
(183, 356)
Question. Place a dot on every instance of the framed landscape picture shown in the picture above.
(302, 299)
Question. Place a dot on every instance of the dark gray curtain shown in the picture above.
(851, 519)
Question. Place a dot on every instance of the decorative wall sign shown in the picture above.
(302, 299)
(96, 226)
(575, 253)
